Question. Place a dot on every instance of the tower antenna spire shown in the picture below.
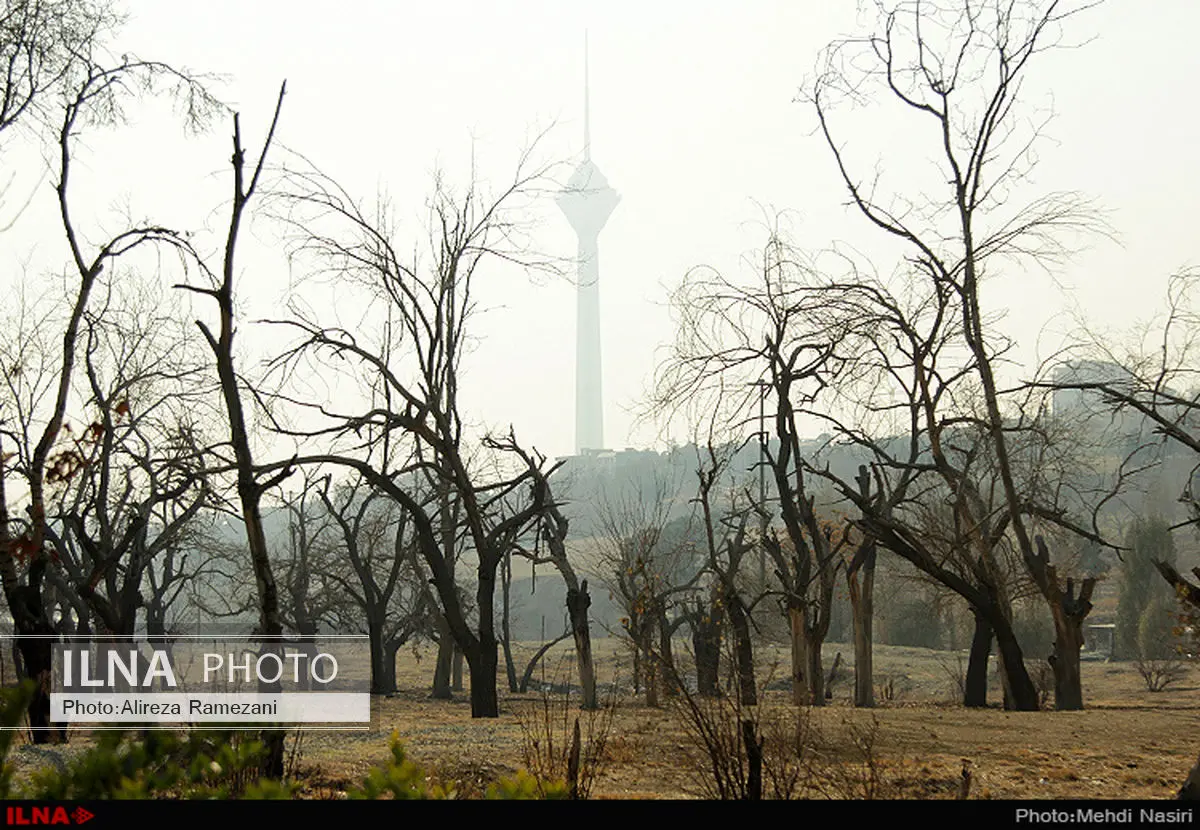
(587, 107)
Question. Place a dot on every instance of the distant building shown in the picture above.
(1085, 401)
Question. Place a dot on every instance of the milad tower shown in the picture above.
(588, 201)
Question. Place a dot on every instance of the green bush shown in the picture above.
(212, 765)
(1156, 630)
(400, 779)
(1141, 585)
(524, 786)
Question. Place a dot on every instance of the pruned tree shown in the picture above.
(1151, 382)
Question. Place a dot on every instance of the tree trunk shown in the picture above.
(816, 675)
(445, 656)
(651, 671)
(156, 631)
(578, 600)
(578, 603)
(308, 645)
(376, 644)
(637, 668)
(1068, 685)
(390, 651)
(1022, 694)
(666, 657)
(1190, 790)
(483, 664)
(706, 643)
(743, 648)
(1069, 610)
(754, 760)
(862, 605)
(36, 648)
(485, 703)
(36, 655)
(456, 670)
(976, 682)
(1069, 614)
(510, 668)
(833, 677)
(801, 693)
(537, 658)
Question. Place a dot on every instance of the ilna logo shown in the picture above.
(20, 815)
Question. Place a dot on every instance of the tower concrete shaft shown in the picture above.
(589, 397)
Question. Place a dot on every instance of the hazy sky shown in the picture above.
(693, 122)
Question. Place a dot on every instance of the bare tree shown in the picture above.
(880, 371)
(138, 461)
(726, 543)
(308, 599)
(250, 488)
(1151, 382)
(60, 74)
(734, 338)
(860, 580)
(1150, 386)
(374, 561)
(414, 389)
(252, 483)
(551, 528)
(43, 44)
(650, 564)
(808, 571)
(185, 564)
(958, 67)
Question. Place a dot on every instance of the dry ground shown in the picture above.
(1129, 743)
